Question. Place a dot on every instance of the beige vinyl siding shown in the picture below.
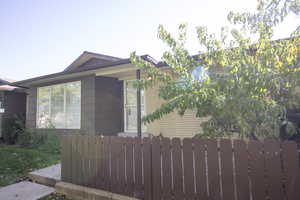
(171, 125)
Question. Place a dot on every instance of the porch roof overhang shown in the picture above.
(74, 75)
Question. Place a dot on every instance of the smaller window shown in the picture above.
(130, 107)
(200, 74)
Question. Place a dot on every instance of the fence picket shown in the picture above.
(106, 164)
(139, 190)
(92, 161)
(226, 154)
(291, 169)
(213, 170)
(80, 162)
(163, 168)
(200, 169)
(129, 166)
(114, 164)
(121, 166)
(147, 168)
(99, 159)
(66, 158)
(273, 169)
(241, 169)
(156, 164)
(166, 169)
(257, 167)
(75, 156)
(188, 166)
(177, 169)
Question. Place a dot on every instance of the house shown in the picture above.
(94, 95)
(12, 101)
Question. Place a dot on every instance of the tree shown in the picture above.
(244, 81)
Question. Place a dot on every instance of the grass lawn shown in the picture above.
(16, 162)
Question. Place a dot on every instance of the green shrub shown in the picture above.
(51, 143)
(45, 140)
(31, 138)
(12, 127)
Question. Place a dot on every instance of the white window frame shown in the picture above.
(50, 94)
(144, 128)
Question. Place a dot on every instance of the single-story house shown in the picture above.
(12, 101)
(94, 95)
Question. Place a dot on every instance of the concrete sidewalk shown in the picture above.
(25, 191)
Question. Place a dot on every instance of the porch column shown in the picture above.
(138, 103)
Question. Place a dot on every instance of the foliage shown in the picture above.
(31, 138)
(51, 143)
(251, 78)
(15, 163)
(12, 127)
(45, 140)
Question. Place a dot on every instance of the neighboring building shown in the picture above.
(12, 102)
(95, 96)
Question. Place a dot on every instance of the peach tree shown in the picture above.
(243, 80)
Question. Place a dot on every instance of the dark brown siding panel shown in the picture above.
(109, 106)
(88, 105)
(31, 108)
(14, 102)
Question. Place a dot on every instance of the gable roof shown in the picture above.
(86, 56)
(87, 63)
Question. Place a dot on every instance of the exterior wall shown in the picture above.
(31, 107)
(171, 125)
(101, 106)
(13, 103)
(109, 106)
(87, 107)
(1, 114)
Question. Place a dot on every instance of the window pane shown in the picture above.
(43, 115)
(131, 118)
(130, 106)
(130, 93)
(57, 106)
(73, 105)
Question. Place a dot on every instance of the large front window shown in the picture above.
(59, 106)
(130, 99)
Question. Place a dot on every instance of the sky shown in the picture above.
(39, 37)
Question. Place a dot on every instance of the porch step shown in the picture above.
(47, 176)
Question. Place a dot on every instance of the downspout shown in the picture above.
(138, 103)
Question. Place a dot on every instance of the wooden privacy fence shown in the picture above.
(163, 168)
